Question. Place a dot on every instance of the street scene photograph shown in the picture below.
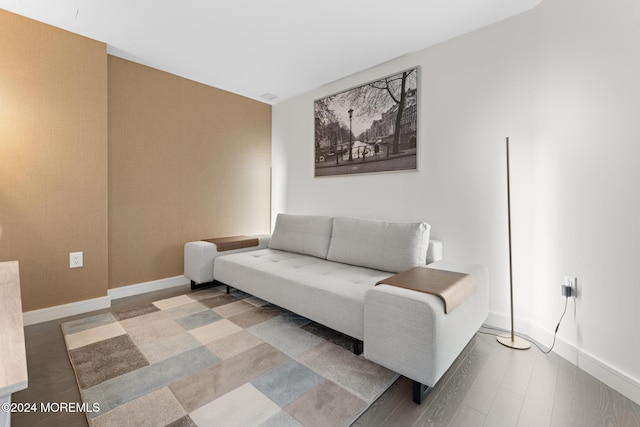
(370, 128)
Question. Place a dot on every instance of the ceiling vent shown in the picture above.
(268, 96)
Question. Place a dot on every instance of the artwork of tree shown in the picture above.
(374, 122)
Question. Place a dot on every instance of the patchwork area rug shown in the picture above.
(211, 359)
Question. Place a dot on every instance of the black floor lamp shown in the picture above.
(512, 340)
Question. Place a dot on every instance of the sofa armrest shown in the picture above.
(408, 331)
(434, 251)
(199, 257)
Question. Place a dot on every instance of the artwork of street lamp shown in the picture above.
(350, 135)
(378, 121)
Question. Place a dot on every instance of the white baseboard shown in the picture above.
(65, 310)
(143, 288)
(614, 378)
(86, 306)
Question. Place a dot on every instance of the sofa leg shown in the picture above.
(203, 285)
(420, 391)
(357, 347)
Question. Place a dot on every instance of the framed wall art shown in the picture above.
(369, 128)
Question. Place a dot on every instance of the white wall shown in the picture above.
(563, 82)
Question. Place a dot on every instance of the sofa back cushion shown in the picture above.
(387, 246)
(303, 234)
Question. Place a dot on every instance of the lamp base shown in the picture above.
(515, 343)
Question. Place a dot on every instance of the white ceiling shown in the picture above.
(254, 47)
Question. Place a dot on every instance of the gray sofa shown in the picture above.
(325, 268)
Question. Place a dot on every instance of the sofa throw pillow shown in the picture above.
(303, 234)
(386, 246)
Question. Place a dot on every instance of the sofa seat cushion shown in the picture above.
(326, 292)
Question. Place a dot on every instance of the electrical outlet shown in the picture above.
(570, 287)
(75, 259)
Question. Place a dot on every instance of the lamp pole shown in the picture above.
(511, 341)
(350, 117)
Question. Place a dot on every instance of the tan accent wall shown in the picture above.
(53, 160)
(186, 162)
